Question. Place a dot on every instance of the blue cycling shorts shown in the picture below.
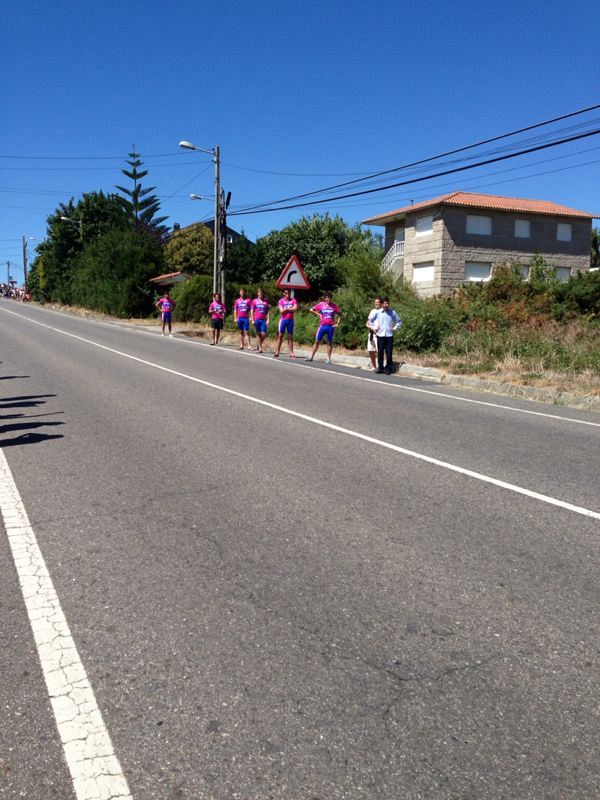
(260, 325)
(325, 330)
(243, 324)
(286, 326)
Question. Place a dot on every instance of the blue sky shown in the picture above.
(297, 96)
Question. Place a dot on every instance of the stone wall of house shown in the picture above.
(449, 246)
(543, 232)
(424, 248)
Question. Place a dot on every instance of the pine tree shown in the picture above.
(138, 202)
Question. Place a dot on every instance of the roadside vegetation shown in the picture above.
(537, 331)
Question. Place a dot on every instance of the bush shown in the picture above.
(425, 324)
(193, 298)
(112, 274)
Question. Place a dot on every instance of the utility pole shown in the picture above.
(217, 221)
(24, 263)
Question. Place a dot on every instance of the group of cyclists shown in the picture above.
(256, 313)
(381, 324)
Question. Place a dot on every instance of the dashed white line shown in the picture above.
(94, 767)
(586, 512)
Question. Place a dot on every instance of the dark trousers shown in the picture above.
(385, 345)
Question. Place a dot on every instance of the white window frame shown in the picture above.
(525, 271)
(522, 229)
(425, 272)
(564, 232)
(476, 265)
(479, 225)
(562, 273)
(420, 222)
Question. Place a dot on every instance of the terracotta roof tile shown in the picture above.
(489, 202)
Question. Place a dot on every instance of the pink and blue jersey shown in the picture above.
(242, 307)
(165, 305)
(287, 307)
(216, 310)
(327, 312)
(260, 308)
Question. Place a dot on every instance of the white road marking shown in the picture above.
(94, 768)
(586, 512)
(330, 371)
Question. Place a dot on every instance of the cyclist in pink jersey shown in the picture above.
(287, 309)
(330, 317)
(217, 316)
(165, 305)
(241, 314)
(259, 316)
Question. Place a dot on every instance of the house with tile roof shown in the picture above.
(460, 237)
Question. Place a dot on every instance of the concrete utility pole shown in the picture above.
(217, 230)
(25, 242)
(216, 154)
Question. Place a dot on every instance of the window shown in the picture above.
(525, 269)
(522, 229)
(562, 273)
(424, 225)
(479, 225)
(229, 239)
(423, 272)
(399, 233)
(477, 271)
(564, 232)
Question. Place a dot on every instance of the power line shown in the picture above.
(425, 177)
(430, 158)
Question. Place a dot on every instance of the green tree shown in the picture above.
(93, 216)
(191, 250)
(319, 241)
(139, 203)
(243, 261)
(112, 274)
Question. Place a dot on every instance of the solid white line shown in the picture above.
(94, 768)
(355, 434)
(330, 371)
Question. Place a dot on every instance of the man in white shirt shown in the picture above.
(386, 321)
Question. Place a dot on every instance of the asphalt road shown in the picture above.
(389, 593)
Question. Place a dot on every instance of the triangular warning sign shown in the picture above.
(293, 276)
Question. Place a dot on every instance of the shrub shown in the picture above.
(193, 298)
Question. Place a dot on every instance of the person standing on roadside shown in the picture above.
(330, 317)
(371, 340)
(259, 315)
(385, 323)
(241, 313)
(166, 305)
(217, 317)
(287, 309)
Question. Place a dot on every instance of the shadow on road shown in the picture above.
(24, 401)
(26, 431)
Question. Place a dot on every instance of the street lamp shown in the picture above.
(75, 222)
(217, 159)
(26, 239)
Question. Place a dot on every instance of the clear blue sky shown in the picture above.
(320, 91)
